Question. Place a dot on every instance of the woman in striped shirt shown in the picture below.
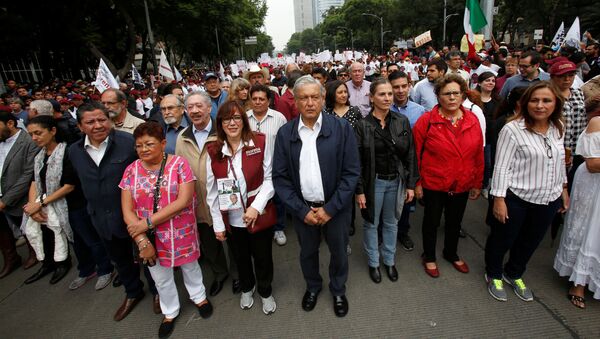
(528, 186)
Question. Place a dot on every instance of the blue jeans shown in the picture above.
(385, 207)
(89, 250)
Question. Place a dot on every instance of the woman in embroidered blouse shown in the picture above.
(243, 169)
(174, 222)
(528, 187)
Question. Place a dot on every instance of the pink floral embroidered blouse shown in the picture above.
(176, 239)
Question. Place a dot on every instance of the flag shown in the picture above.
(135, 75)
(221, 71)
(473, 22)
(104, 78)
(178, 76)
(164, 68)
(559, 37)
(573, 36)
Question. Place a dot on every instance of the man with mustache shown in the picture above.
(115, 102)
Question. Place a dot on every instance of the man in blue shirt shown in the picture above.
(529, 67)
(175, 120)
(217, 95)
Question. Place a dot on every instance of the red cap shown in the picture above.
(562, 67)
(6, 109)
(77, 97)
(64, 102)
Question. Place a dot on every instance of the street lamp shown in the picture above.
(380, 22)
(446, 20)
(351, 36)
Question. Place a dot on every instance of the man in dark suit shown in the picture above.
(100, 158)
(315, 172)
(17, 152)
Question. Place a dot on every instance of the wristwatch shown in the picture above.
(42, 203)
(149, 223)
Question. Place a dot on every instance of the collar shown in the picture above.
(87, 143)
(318, 123)
(225, 150)
(250, 113)
(13, 138)
(357, 87)
(205, 129)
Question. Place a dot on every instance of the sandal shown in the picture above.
(574, 299)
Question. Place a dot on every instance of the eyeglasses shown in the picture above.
(144, 146)
(524, 66)
(548, 147)
(342, 75)
(236, 118)
(449, 94)
(168, 108)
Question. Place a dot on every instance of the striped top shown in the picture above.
(530, 164)
(269, 125)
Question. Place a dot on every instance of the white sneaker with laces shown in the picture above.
(269, 305)
(280, 238)
(104, 280)
(80, 281)
(247, 300)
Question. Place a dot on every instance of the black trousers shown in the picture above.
(247, 247)
(453, 207)
(521, 234)
(120, 251)
(336, 237)
(212, 251)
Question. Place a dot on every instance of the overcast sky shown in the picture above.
(280, 21)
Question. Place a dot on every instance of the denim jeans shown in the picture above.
(385, 208)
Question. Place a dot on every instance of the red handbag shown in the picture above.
(265, 220)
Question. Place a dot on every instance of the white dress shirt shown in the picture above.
(96, 153)
(468, 104)
(265, 192)
(269, 125)
(530, 164)
(202, 135)
(311, 183)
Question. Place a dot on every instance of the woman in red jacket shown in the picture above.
(448, 143)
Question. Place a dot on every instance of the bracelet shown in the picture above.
(145, 246)
(139, 241)
(149, 223)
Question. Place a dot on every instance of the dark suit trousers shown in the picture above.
(336, 237)
(255, 247)
(120, 251)
(212, 251)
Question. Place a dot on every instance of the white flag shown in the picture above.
(573, 36)
(104, 78)
(221, 70)
(178, 76)
(135, 75)
(164, 68)
(559, 37)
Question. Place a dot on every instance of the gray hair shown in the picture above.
(179, 101)
(43, 107)
(15, 101)
(120, 95)
(205, 97)
(307, 80)
(359, 64)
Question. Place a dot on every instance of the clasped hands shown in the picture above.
(317, 216)
(34, 210)
(137, 228)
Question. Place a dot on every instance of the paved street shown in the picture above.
(454, 305)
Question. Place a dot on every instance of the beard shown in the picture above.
(4, 134)
(113, 114)
(170, 120)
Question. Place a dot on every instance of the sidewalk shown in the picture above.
(416, 306)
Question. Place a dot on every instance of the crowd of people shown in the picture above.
(210, 167)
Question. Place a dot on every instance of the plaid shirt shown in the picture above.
(575, 117)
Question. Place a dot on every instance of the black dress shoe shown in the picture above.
(166, 328)
(309, 301)
(205, 310)
(217, 286)
(391, 271)
(62, 269)
(340, 305)
(375, 274)
(42, 272)
(236, 287)
(116, 281)
(406, 242)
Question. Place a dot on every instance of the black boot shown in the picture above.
(46, 269)
(62, 268)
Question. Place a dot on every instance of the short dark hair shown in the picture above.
(5, 117)
(151, 129)
(320, 70)
(170, 87)
(376, 83)
(89, 107)
(331, 87)
(453, 54)
(47, 122)
(536, 57)
(440, 64)
(397, 75)
(259, 88)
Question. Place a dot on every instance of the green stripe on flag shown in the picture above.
(477, 18)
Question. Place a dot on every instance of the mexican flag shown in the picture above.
(473, 22)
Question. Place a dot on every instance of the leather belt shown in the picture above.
(315, 204)
(386, 176)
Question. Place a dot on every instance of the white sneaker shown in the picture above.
(269, 305)
(80, 281)
(247, 300)
(280, 238)
(20, 241)
(104, 280)
(485, 193)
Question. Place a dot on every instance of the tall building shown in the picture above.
(309, 13)
(322, 6)
(304, 14)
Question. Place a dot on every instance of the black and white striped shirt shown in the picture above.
(529, 164)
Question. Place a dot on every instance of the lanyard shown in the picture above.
(236, 180)
(158, 183)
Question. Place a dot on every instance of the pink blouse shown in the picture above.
(176, 238)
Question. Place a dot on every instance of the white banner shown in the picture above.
(104, 78)
(164, 68)
(422, 39)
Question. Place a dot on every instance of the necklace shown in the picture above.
(453, 119)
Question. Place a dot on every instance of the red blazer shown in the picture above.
(448, 161)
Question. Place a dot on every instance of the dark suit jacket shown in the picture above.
(100, 184)
(338, 160)
(17, 174)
